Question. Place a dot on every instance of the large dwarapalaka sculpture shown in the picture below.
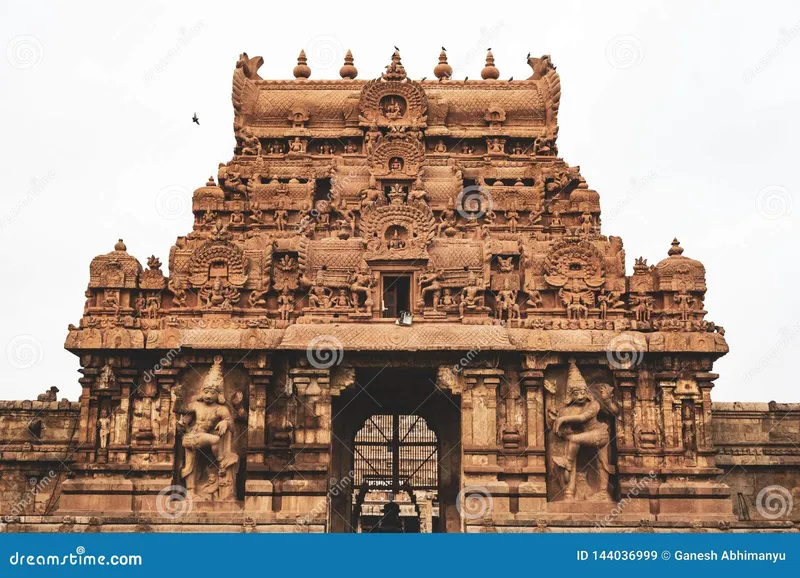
(210, 431)
(578, 422)
(396, 251)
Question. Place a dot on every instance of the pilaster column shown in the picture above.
(670, 409)
(705, 382)
(626, 382)
(313, 391)
(532, 382)
(482, 385)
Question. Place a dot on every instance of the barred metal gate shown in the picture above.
(394, 452)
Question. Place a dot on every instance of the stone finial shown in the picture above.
(490, 71)
(211, 182)
(120, 246)
(676, 248)
(395, 70)
(302, 70)
(348, 70)
(443, 70)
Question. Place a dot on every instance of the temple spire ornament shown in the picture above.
(348, 70)
(676, 248)
(443, 70)
(490, 71)
(302, 69)
(395, 70)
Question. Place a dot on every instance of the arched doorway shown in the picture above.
(396, 460)
(396, 442)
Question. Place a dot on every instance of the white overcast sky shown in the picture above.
(683, 115)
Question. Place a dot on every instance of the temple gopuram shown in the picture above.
(396, 312)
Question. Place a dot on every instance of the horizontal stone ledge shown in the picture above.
(417, 337)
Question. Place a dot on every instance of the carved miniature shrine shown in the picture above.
(395, 310)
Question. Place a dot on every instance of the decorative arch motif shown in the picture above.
(407, 149)
(415, 217)
(408, 95)
(574, 259)
(215, 252)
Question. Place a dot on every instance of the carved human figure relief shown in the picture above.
(582, 424)
(209, 463)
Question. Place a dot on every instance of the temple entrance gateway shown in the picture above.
(532, 384)
(396, 449)
(396, 460)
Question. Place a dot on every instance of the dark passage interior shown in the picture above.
(396, 443)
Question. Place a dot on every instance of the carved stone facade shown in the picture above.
(408, 248)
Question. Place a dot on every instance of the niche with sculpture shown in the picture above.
(581, 412)
(212, 433)
(392, 107)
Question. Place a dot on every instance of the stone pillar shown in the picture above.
(705, 382)
(480, 446)
(533, 491)
(260, 379)
(626, 382)
(667, 383)
(299, 491)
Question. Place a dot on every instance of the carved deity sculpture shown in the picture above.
(608, 300)
(448, 301)
(178, 288)
(320, 296)
(360, 284)
(587, 223)
(430, 282)
(447, 222)
(642, 305)
(577, 422)
(512, 218)
(506, 303)
(251, 145)
(210, 434)
(577, 299)
(685, 303)
(280, 216)
(285, 303)
(341, 300)
(104, 428)
(472, 296)
(218, 295)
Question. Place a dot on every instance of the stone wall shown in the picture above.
(759, 451)
(36, 450)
